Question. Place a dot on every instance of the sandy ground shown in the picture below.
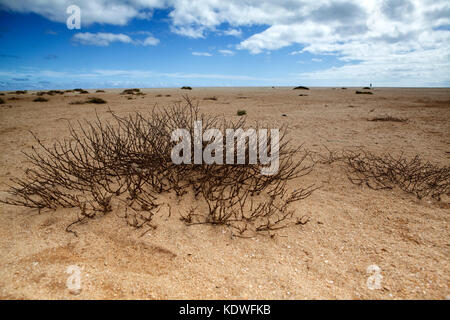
(350, 227)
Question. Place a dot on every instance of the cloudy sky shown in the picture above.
(157, 43)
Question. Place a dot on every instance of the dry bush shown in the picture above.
(241, 112)
(301, 88)
(414, 176)
(2, 101)
(77, 102)
(127, 163)
(40, 99)
(186, 88)
(388, 119)
(95, 100)
(363, 92)
(210, 98)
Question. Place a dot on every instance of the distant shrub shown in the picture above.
(344, 88)
(186, 88)
(40, 99)
(78, 90)
(21, 92)
(241, 112)
(301, 88)
(302, 95)
(84, 92)
(363, 92)
(95, 100)
(366, 88)
(77, 102)
(210, 98)
(99, 91)
(388, 119)
(2, 101)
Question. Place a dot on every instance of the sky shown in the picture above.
(210, 43)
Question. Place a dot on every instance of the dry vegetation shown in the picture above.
(129, 163)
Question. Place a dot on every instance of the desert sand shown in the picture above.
(350, 228)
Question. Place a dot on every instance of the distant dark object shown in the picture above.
(84, 92)
(95, 100)
(241, 112)
(131, 91)
(300, 88)
(52, 92)
(210, 98)
(77, 102)
(344, 88)
(2, 101)
(98, 91)
(158, 95)
(186, 88)
(367, 88)
(302, 95)
(19, 92)
(40, 99)
(68, 91)
(363, 92)
(284, 115)
(13, 98)
(78, 90)
(2, 94)
(168, 95)
(388, 119)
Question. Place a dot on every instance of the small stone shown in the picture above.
(75, 291)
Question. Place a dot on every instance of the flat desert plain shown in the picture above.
(350, 227)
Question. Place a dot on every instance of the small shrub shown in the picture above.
(301, 88)
(77, 102)
(367, 88)
(95, 100)
(99, 91)
(40, 99)
(21, 92)
(211, 98)
(186, 88)
(388, 119)
(363, 92)
(2, 101)
(241, 112)
(84, 92)
(302, 95)
(78, 90)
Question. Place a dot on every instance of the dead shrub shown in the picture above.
(388, 119)
(127, 163)
(40, 99)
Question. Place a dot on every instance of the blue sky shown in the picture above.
(206, 43)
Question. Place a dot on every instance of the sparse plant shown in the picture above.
(95, 100)
(40, 99)
(241, 112)
(130, 161)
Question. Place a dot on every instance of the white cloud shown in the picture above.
(150, 41)
(316, 60)
(101, 39)
(201, 54)
(226, 52)
(105, 39)
(233, 32)
(368, 35)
